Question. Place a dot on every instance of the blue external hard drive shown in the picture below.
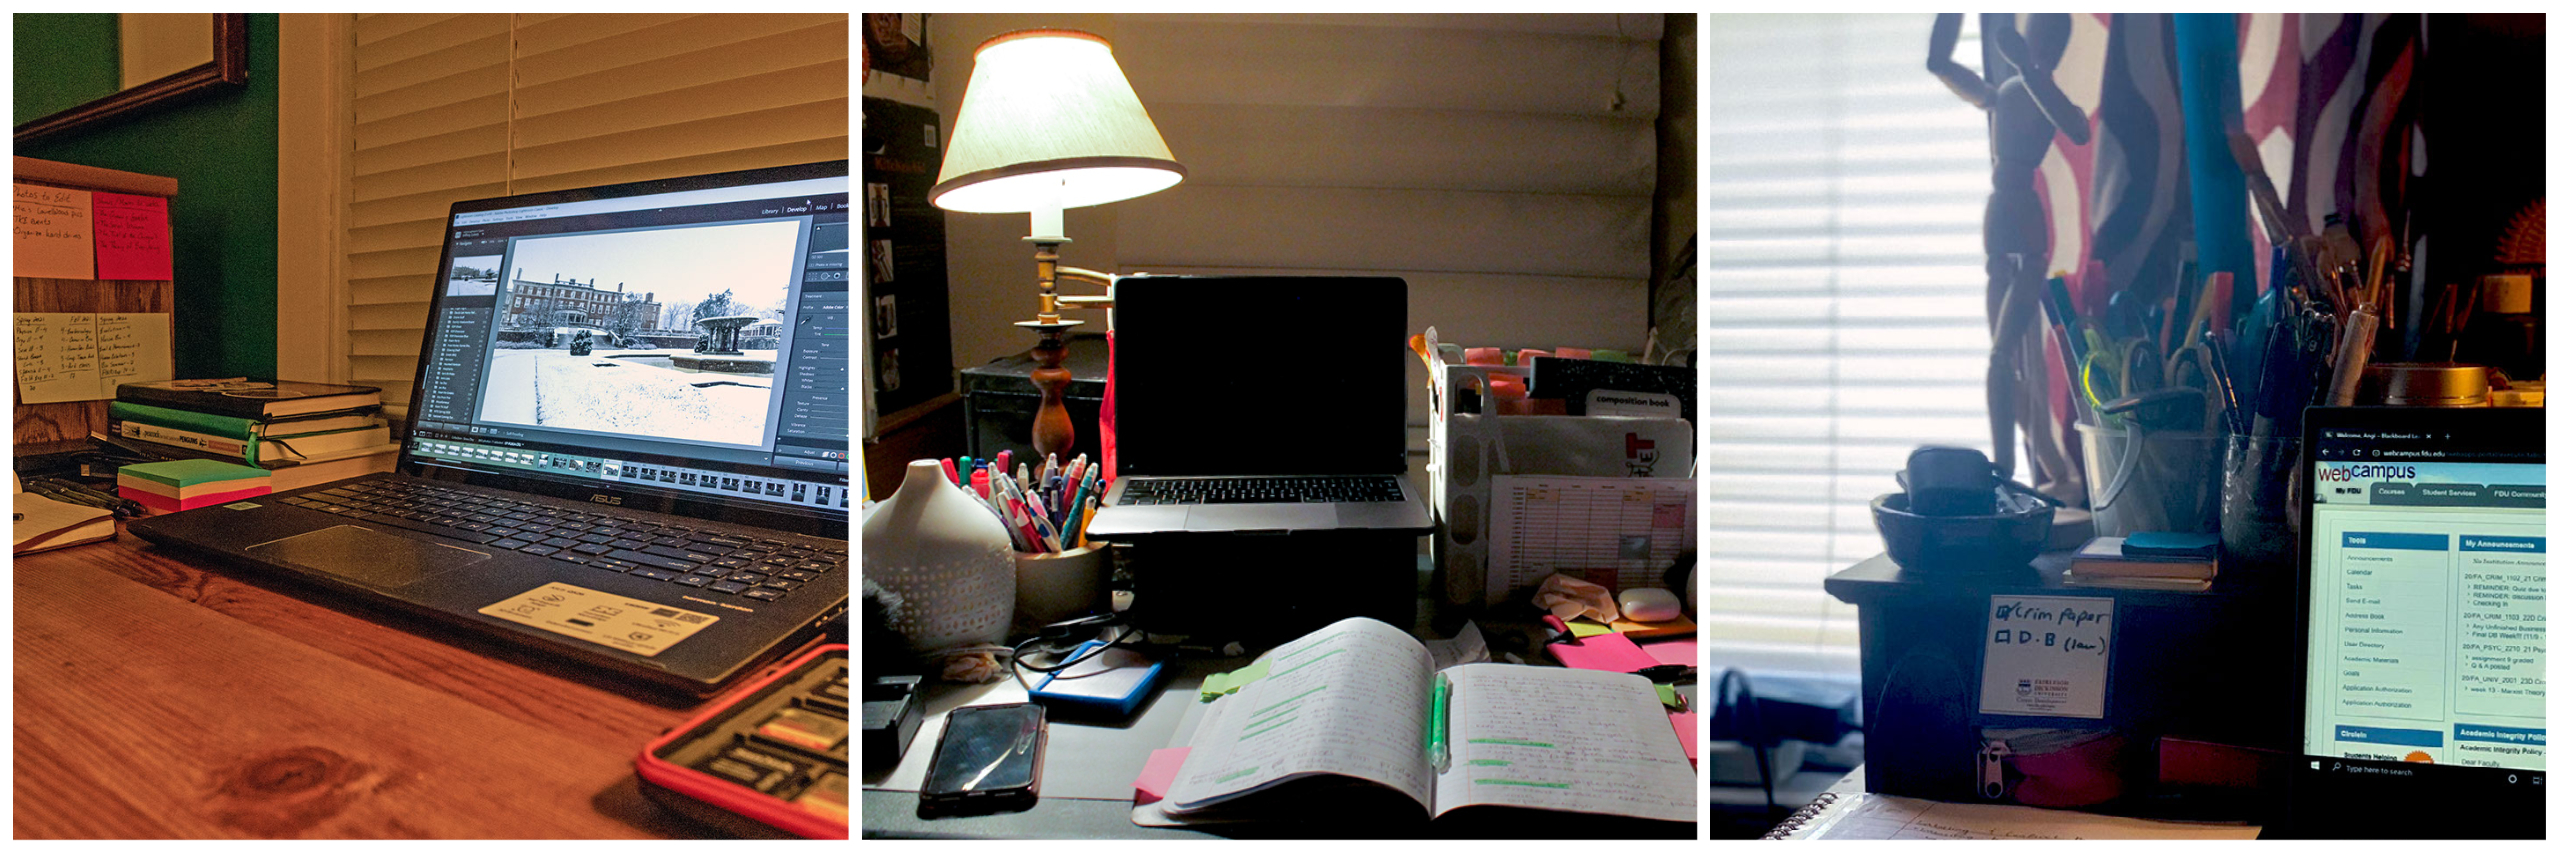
(1115, 681)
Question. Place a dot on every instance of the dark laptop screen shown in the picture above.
(667, 343)
(1259, 375)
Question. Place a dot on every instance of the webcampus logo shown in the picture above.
(2352, 473)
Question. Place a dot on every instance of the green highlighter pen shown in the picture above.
(1439, 723)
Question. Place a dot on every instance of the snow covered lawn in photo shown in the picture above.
(554, 389)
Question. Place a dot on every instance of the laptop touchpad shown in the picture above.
(374, 558)
(1261, 517)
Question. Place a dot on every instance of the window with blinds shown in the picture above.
(453, 107)
(1845, 298)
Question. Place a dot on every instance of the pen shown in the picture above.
(1091, 506)
(1562, 634)
(1439, 723)
(1004, 460)
(952, 471)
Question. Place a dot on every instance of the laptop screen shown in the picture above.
(1240, 375)
(2426, 555)
(665, 344)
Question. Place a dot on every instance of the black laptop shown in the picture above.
(2422, 642)
(628, 443)
(1259, 404)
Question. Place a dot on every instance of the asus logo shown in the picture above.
(605, 499)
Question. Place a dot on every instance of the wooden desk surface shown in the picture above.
(159, 695)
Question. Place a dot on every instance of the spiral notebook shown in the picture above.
(1846, 811)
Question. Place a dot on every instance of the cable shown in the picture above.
(1746, 714)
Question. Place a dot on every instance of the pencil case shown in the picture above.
(2053, 768)
(768, 762)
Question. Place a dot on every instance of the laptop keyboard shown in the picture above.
(725, 561)
(1261, 490)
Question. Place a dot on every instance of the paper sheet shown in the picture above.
(132, 236)
(1620, 533)
(51, 232)
(1349, 699)
(71, 357)
(1572, 740)
(1466, 647)
(1861, 815)
(2047, 655)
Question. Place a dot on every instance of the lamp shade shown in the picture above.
(1050, 122)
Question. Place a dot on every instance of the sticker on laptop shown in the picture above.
(620, 621)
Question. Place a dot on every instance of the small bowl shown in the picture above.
(1999, 543)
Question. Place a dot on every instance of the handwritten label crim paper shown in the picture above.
(2047, 656)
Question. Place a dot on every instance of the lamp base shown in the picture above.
(1052, 433)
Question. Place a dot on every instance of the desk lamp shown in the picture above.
(1049, 123)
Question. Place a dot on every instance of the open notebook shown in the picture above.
(42, 523)
(1343, 712)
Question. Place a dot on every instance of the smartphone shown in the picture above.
(987, 760)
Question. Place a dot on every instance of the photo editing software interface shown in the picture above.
(691, 343)
(2427, 632)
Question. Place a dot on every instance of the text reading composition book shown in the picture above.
(1352, 703)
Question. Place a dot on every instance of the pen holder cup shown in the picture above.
(2259, 502)
(2151, 481)
(1052, 588)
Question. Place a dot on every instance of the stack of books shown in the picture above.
(2174, 561)
(302, 432)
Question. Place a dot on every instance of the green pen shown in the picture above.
(1439, 723)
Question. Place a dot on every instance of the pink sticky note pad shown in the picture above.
(1612, 652)
(1157, 779)
(1684, 724)
(1681, 651)
(132, 235)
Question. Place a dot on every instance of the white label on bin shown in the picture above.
(2046, 656)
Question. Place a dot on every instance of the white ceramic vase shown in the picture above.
(941, 550)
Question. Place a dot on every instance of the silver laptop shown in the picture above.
(1259, 404)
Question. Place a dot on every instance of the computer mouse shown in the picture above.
(1648, 604)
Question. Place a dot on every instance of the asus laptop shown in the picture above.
(1259, 404)
(628, 441)
(2420, 694)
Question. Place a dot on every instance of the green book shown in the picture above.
(221, 425)
(181, 473)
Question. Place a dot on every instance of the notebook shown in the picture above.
(627, 445)
(1259, 404)
(2421, 645)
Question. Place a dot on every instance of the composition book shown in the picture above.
(1349, 706)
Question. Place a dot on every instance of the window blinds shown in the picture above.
(1845, 299)
(453, 107)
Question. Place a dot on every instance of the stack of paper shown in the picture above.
(184, 484)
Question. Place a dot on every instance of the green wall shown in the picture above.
(221, 148)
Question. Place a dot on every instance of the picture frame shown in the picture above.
(227, 69)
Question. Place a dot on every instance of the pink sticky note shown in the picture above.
(1161, 766)
(132, 235)
(1681, 651)
(1612, 652)
(1684, 724)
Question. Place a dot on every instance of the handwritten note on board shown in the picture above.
(2047, 656)
(65, 358)
(133, 236)
(51, 232)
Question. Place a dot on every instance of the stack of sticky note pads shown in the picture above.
(183, 484)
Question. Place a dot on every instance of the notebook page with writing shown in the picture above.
(1350, 699)
(1576, 740)
(1860, 815)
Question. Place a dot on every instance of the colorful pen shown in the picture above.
(1439, 723)
(952, 471)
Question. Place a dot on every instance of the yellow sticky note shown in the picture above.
(1582, 629)
(52, 237)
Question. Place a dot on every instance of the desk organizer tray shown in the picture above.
(770, 761)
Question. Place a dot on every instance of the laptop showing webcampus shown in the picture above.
(2423, 640)
(1258, 404)
(629, 438)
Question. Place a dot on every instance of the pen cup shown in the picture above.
(1051, 588)
(2151, 481)
(2258, 504)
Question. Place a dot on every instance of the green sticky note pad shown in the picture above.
(187, 472)
(1586, 629)
(1669, 695)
